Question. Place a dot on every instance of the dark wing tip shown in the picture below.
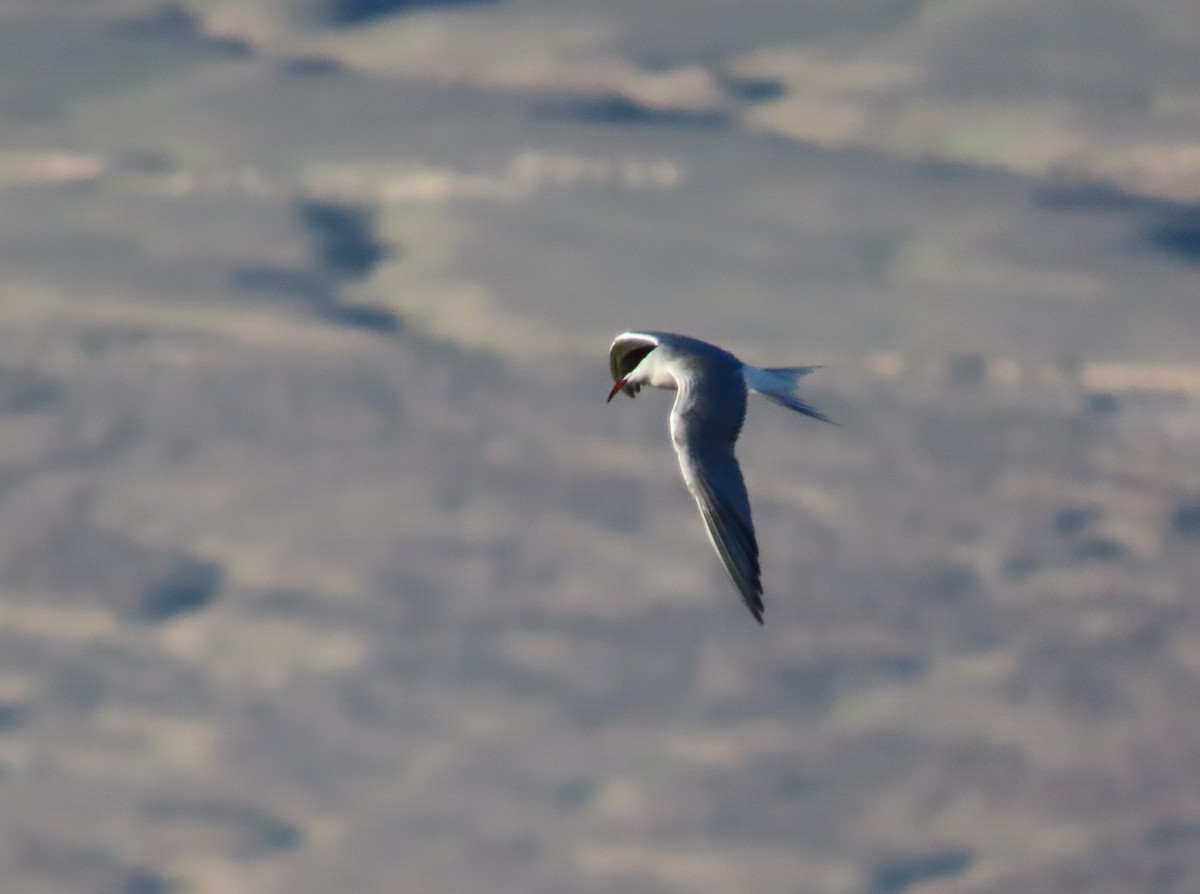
(753, 600)
(755, 606)
(736, 547)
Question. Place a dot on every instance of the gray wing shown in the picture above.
(705, 423)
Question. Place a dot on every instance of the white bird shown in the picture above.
(710, 406)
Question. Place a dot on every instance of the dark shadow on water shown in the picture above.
(1072, 520)
(187, 586)
(174, 23)
(140, 881)
(316, 292)
(753, 89)
(27, 391)
(611, 109)
(248, 833)
(1103, 404)
(282, 282)
(897, 874)
(1169, 227)
(1178, 233)
(361, 316)
(344, 237)
(1099, 549)
(345, 248)
(311, 66)
(168, 21)
(12, 716)
(348, 13)
(1185, 520)
(1175, 832)
(1087, 196)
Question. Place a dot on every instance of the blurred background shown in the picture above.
(324, 567)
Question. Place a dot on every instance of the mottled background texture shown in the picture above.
(325, 569)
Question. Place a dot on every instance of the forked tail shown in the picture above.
(778, 383)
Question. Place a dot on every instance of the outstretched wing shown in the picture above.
(705, 423)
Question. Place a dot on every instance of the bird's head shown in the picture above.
(624, 359)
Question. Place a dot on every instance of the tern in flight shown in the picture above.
(710, 406)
